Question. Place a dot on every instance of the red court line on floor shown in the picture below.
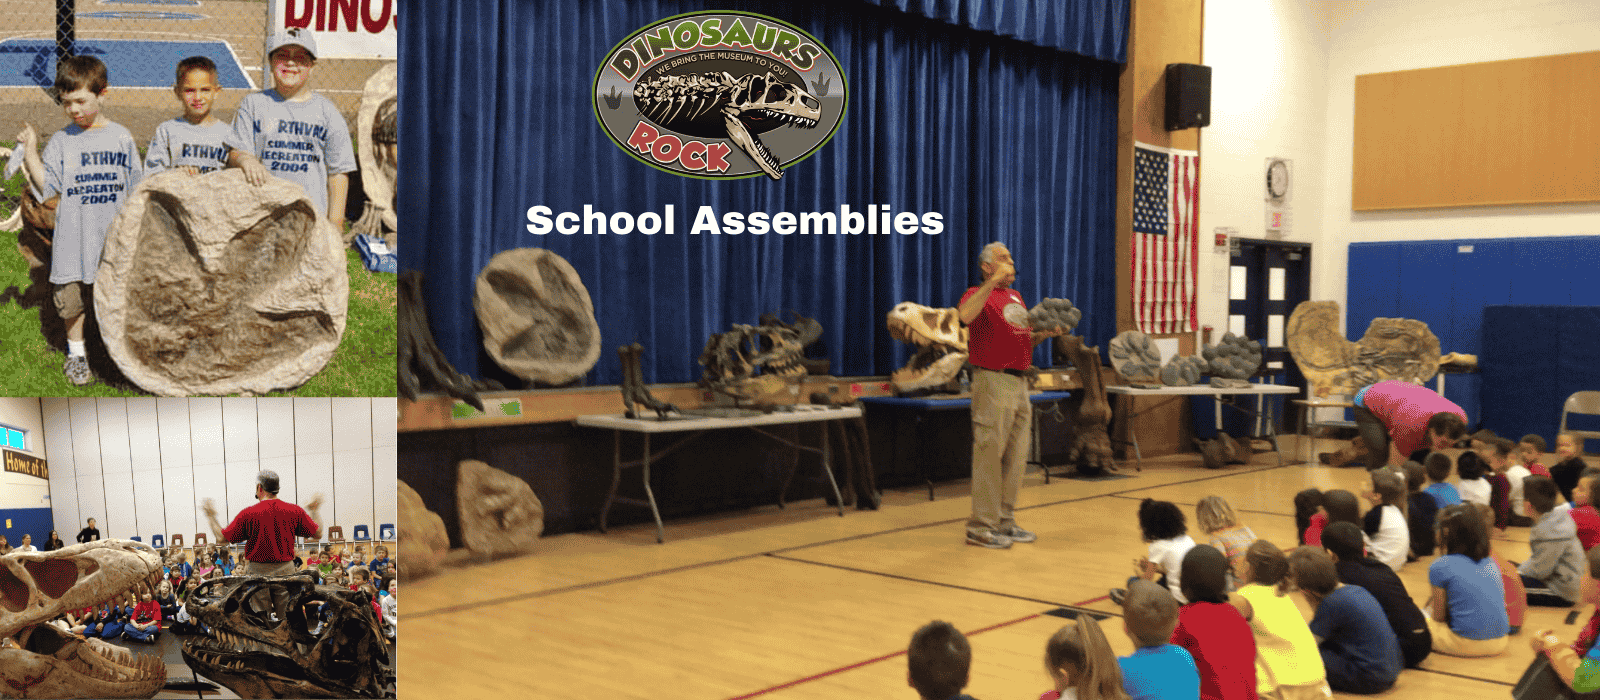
(868, 662)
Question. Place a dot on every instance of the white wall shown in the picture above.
(1377, 37)
(1283, 84)
(143, 466)
(1268, 99)
(22, 495)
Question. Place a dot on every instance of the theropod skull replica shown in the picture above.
(733, 359)
(38, 660)
(941, 343)
(286, 637)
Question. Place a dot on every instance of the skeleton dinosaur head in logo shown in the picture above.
(941, 343)
(286, 637)
(738, 108)
(38, 660)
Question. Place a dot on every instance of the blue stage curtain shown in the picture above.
(1084, 27)
(1008, 141)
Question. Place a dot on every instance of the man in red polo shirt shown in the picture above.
(1000, 346)
(270, 527)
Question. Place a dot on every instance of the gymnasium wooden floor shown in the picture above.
(802, 603)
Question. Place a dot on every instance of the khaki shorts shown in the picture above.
(69, 299)
(1446, 641)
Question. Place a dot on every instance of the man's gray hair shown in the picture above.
(987, 256)
(268, 481)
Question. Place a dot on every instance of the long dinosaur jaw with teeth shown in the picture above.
(752, 146)
(38, 660)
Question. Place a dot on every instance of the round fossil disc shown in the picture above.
(537, 319)
(211, 285)
(375, 127)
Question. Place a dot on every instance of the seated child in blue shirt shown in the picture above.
(1438, 466)
(1158, 670)
(939, 659)
(1359, 650)
(1467, 612)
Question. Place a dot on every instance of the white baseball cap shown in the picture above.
(293, 36)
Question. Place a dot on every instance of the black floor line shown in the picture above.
(699, 565)
(1463, 676)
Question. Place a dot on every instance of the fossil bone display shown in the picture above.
(422, 365)
(1091, 444)
(423, 541)
(1232, 361)
(286, 637)
(500, 515)
(1393, 348)
(1183, 370)
(211, 285)
(1055, 315)
(1136, 357)
(37, 660)
(732, 361)
(717, 104)
(633, 389)
(941, 343)
(537, 319)
(378, 133)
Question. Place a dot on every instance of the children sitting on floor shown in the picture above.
(1577, 664)
(1081, 664)
(939, 659)
(1287, 664)
(1516, 594)
(1583, 513)
(1555, 566)
(1216, 635)
(1359, 651)
(1531, 450)
(1388, 537)
(1472, 486)
(1410, 626)
(1570, 464)
(1309, 519)
(144, 623)
(1163, 527)
(1466, 612)
(1421, 510)
(1497, 454)
(1215, 518)
(1157, 669)
(1341, 506)
(1438, 467)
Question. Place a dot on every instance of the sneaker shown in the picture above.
(1017, 534)
(988, 538)
(1118, 595)
(77, 370)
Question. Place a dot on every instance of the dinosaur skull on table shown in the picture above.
(38, 660)
(941, 343)
(734, 359)
(285, 636)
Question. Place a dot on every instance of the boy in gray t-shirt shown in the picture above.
(92, 164)
(192, 142)
(294, 133)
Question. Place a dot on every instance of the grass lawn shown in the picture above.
(363, 365)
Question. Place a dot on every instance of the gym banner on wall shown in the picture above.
(20, 463)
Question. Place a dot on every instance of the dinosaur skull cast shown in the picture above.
(38, 660)
(941, 343)
(759, 99)
(733, 359)
(286, 637)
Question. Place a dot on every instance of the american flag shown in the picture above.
(1166, 246)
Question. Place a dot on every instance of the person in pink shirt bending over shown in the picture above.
(1395, 419)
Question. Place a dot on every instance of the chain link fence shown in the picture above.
(141, 42)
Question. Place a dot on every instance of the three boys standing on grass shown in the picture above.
(289, 131)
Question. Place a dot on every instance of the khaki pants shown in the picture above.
(265, 600)
(1002, 430)
(1446, 641)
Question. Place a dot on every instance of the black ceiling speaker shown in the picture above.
(1188, 96)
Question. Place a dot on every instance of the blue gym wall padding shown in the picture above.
(1449, 284)
(1534, 357)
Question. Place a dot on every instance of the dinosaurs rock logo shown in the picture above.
(720, 95)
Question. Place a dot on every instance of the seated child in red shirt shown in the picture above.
(1213, 631)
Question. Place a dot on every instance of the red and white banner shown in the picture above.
(343, 28)
(1166, 242)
